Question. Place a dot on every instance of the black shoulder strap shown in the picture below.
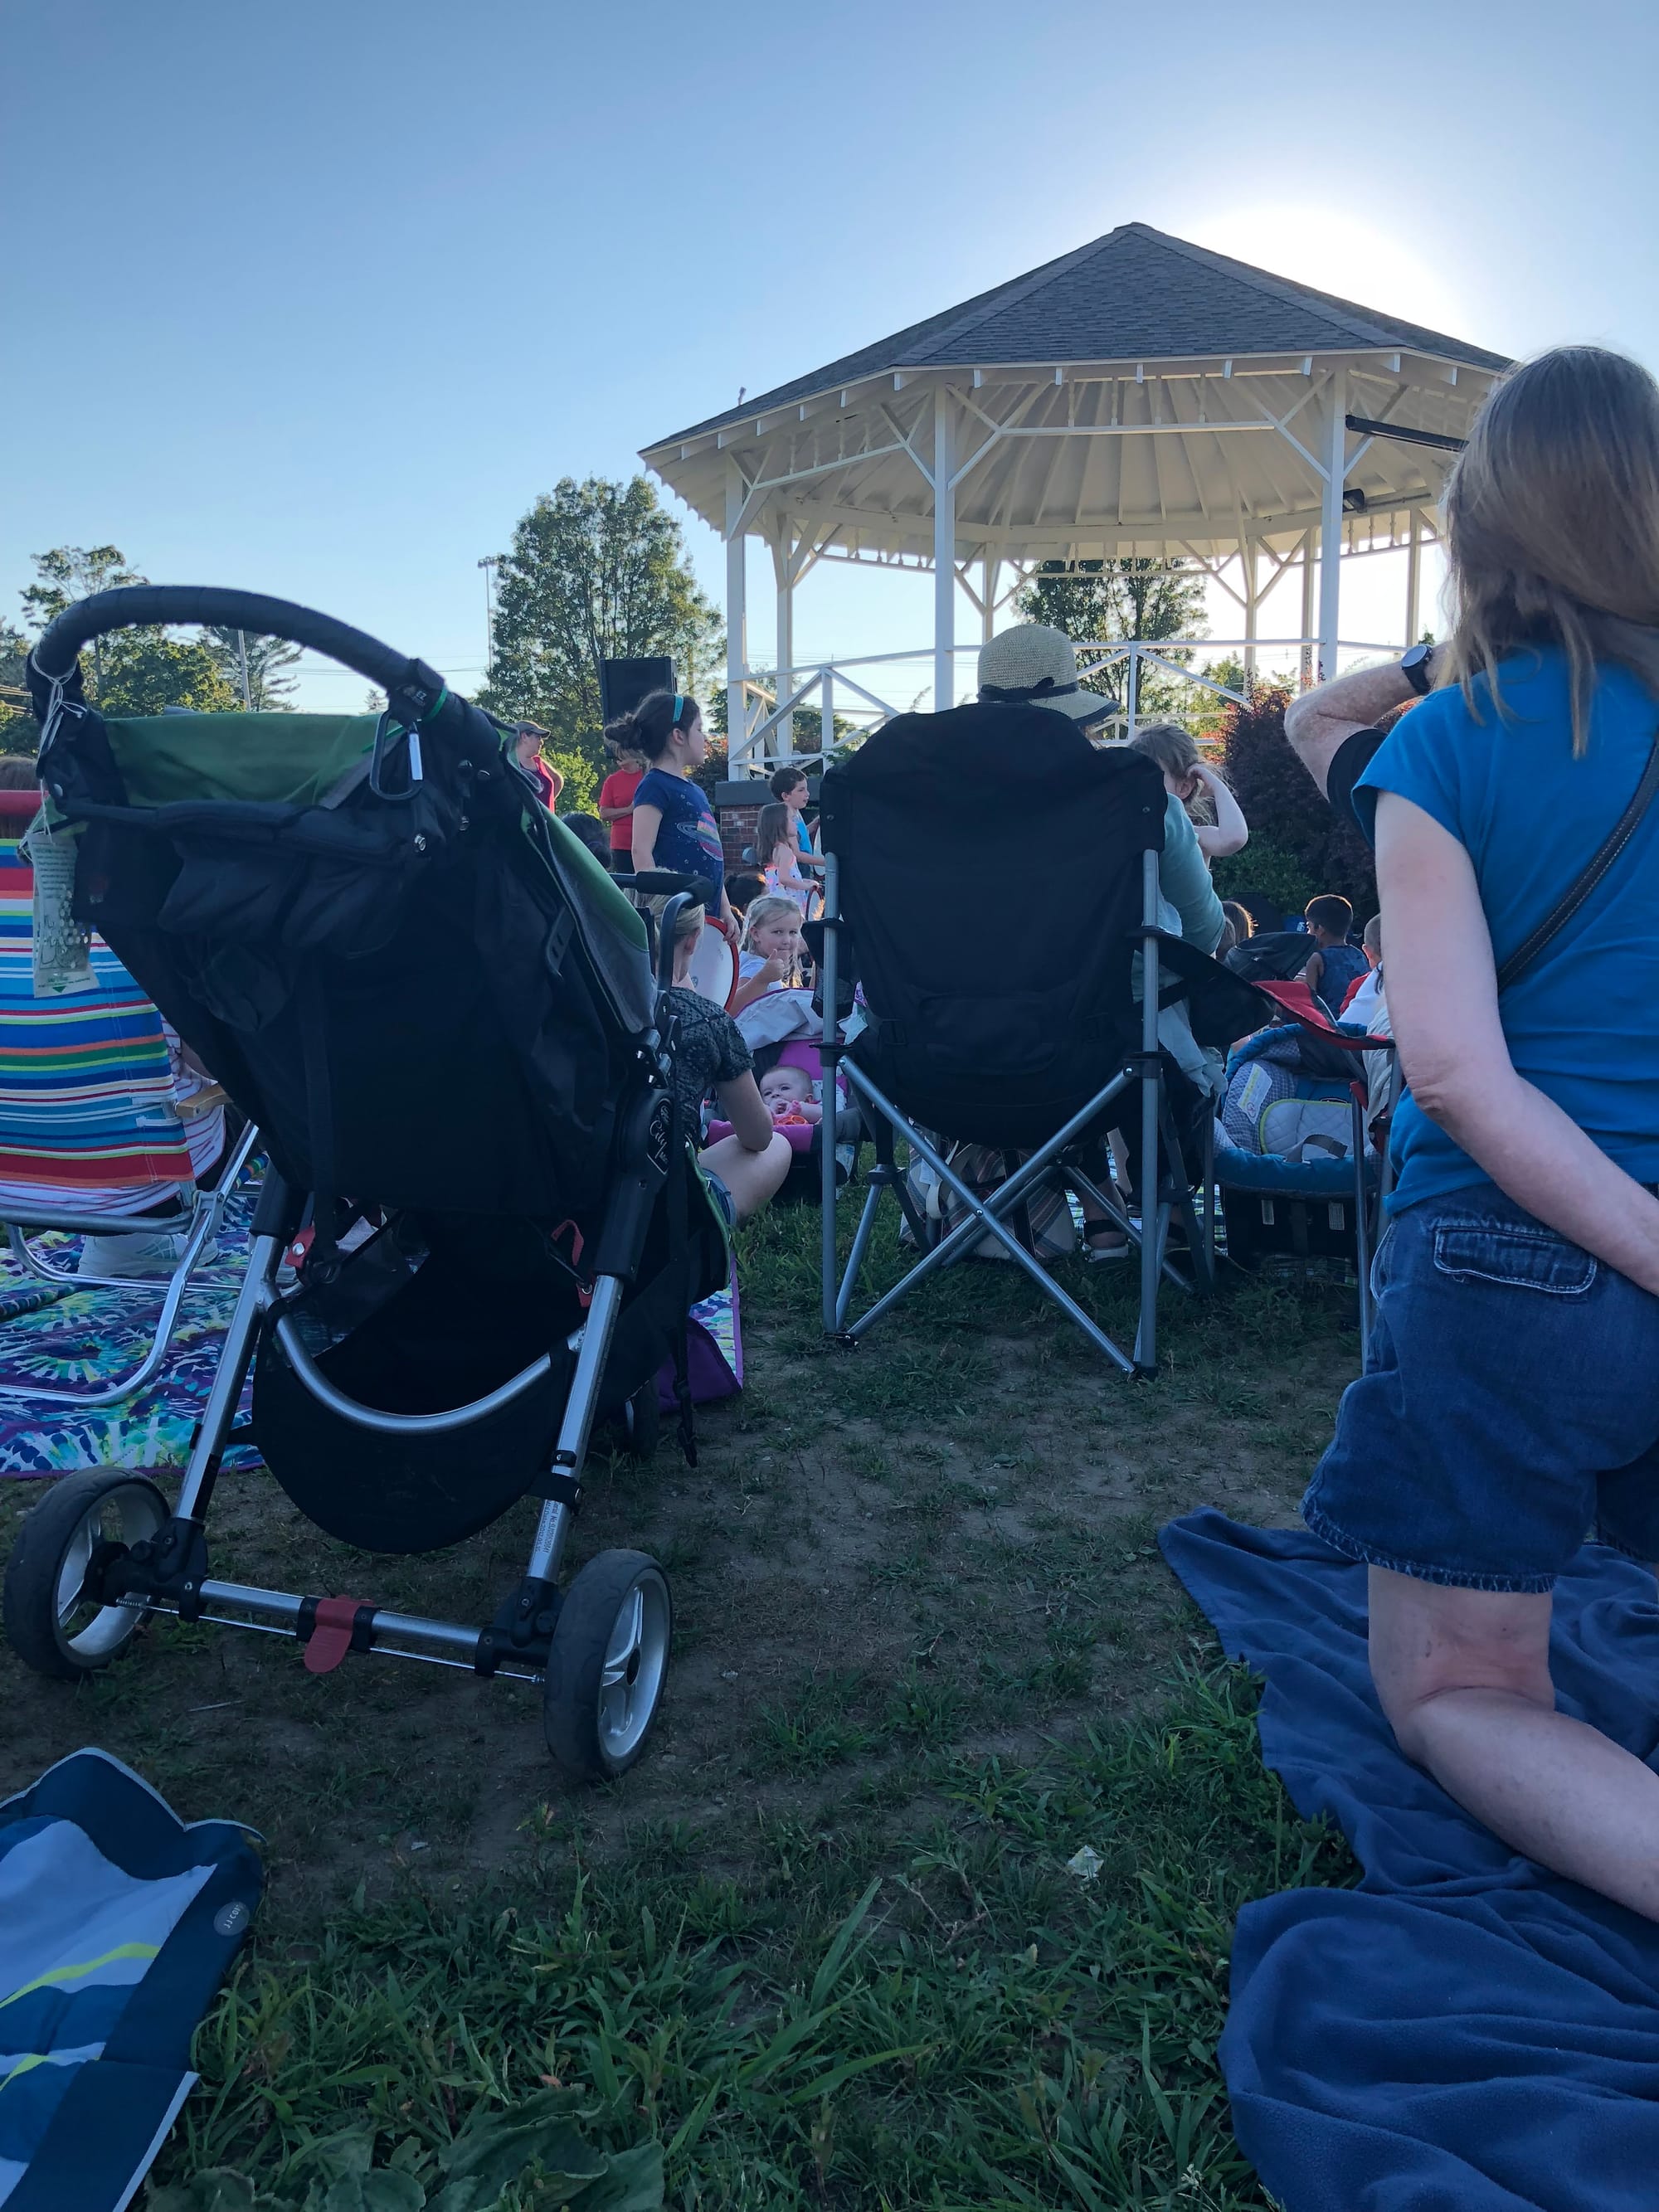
(1563, 912)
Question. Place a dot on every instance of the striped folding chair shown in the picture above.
(91, 1142)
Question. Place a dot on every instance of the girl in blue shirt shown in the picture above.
(674, 825)
(1512, 1403)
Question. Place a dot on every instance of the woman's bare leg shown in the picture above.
(1463, 1677)
(751, 1177)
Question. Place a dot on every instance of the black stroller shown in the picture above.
(442, 1014)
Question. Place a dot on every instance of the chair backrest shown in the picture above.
(990, 865)
(86, 1116)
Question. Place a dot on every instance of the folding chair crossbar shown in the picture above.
(203, 1216)
(984, 1214)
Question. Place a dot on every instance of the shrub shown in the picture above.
(1285, 810)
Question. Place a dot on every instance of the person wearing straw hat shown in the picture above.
(1035, 666)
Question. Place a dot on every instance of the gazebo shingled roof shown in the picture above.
(1136, 293)
(1140, 396)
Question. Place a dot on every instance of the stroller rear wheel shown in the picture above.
(607, 1665)
(51, 1625)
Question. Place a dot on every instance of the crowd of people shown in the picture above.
(1511, 1399)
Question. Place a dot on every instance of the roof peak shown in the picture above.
(1109, 299)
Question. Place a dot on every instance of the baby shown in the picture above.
(788, 1092)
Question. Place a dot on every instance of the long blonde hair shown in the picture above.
(1552, 523)
(771, 906)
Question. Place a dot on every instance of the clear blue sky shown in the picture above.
(317, 298)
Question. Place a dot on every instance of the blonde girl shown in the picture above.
(771, 948)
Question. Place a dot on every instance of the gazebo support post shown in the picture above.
(1308, 537)
(737, 637)
(944, 553)
(1247, 563)
(988, 605)
(1414, 576)
(1330, 527)
(784, 565)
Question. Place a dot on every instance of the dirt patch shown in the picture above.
(939, 1546)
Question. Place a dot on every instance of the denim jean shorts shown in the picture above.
(1511, 1408)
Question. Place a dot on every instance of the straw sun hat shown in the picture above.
(1032, 666)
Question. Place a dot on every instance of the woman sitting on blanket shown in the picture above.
(745, 1169)
(1513, 1398)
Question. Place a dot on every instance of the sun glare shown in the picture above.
(1323, 247)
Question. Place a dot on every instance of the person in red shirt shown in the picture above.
(616, 807)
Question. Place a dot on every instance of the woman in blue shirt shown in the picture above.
(1513, 1401)
(674, 825)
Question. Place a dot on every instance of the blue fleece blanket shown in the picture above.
(117, 1924)
(1462, 2032)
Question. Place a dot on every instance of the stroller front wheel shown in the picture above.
(52, 1625)
(607, 1665)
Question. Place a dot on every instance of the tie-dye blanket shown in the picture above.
(77, 1340)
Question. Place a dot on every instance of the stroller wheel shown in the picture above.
(50, 1624)
(607, 1665)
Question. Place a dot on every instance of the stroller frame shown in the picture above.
(76, 1590)
(1149, 1239)
(196, 1217)
(170, 1574)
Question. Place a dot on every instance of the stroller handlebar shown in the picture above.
(139, 606)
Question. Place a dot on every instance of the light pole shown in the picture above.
(491, 563)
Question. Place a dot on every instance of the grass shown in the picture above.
(959, 2020)
(823, 1946)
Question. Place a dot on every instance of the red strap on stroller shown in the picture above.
(330, 1636)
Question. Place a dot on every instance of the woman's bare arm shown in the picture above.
(1321, 722)
(1230, 832)
(1442, 1002)
(751, 1117)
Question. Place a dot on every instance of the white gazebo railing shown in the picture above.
(772, 699)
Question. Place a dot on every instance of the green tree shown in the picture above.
(17, 731)
(1098, 601)
(145, 670)
(269, 659)
(597, 572)
(129, 671)
(75, 572)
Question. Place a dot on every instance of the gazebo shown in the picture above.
(1141, 397)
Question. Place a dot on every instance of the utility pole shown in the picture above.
(491, 563)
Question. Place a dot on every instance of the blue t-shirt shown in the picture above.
(1581, 1023)
(688, 836)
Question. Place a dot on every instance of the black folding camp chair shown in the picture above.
(991, 881)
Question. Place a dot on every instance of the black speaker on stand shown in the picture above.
(623, 684)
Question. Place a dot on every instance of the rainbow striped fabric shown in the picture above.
(86, 1116)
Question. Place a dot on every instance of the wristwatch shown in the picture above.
(1414, 667)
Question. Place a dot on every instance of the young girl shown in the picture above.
(778, 854)
(1187, 778)
(745, 1168)
(674, 825)
(770, 949)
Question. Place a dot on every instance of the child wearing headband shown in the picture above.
(674, 825)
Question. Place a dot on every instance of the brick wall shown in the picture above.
(737, 827)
